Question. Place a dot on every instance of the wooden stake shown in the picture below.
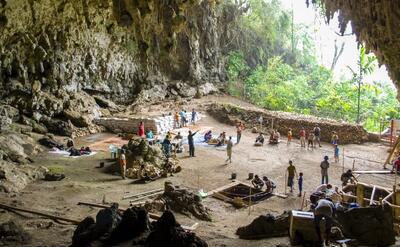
(354, 161)
(250, 201)
(284, 183)
(343, 161)
(302, 201)
(53, 217)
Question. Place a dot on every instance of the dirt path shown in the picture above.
(207, 170)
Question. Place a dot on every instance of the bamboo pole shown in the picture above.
(284, 184)
(53, 217)
(302, 201)
(343, 161)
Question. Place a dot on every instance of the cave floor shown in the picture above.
(85, 182)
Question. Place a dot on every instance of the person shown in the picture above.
(335, 138)
(347, 177)
(291, 170)
(194, 116)
(310, 140)
(185, 120)
(289, 136)
(168, 135)
(336, 151)
(324, 170)
(396, 165)
(191, 143)
(122, 163)
(177, 125)
(300, 181)
(302, 135)
(229, 150)
(178, 143)
(239, 129)
(274, 137)
(208, 136)
(221, 139)
(149, 134)
(257, 182)
(260, 121)
(166, 144)
(178, 136)
(70, 143)
(141, 129)
(317, 135)
(182, 117)
(260, 139)
(325, 209)
(270, 186)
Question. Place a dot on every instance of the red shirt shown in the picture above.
(302, 133)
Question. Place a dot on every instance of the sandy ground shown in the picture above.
(86, 182)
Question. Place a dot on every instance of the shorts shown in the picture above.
(317, 138)
(310, 141)
(290, 181)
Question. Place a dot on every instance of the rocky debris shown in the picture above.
(181, 201)
(231, 114)
(17, 147)
(139, 152)
(11, 232)
(167, 232)
(266, 226)
(111, 228)
(58, 126)
(107, 104)
(14, 177)
(50, 176)
(372, 226)
(135, 171)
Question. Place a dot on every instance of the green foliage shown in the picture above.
(266, 70)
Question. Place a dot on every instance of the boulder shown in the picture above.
(58, 127)
(9, 112)
(14, 178)
(265, 226)
(81, 109)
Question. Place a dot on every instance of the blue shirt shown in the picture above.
(336, 151)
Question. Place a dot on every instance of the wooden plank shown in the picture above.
(280, 195)
(139, 194)
(146, 196)
(373, 172)
(53, 217)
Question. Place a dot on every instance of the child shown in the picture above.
(289, 136)
(300, 183)
(336, 153)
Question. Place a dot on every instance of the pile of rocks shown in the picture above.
(113, 227)
(11, 232)
(283, 121)
(180, 200)
(140, 152)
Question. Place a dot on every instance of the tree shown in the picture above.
(366, 65)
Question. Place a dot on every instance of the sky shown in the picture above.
(325, 36)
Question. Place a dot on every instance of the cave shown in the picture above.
(161, 100)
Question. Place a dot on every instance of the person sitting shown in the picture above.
(260, 139)
(85, 151)
(257, 182)
(221, 139)
(347, 177)
(178, 136)
(149, 135)
(274, 137)
(166, 144)
(70, 143)
(208, 136)
(270, 186)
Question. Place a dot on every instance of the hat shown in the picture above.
(326, 157)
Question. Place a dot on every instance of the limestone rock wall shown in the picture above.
(124, 50)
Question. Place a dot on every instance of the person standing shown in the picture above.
(324, 170)
(291, 171)
(176, 120)
(325, 209)
(336, 151)
(310, 139)
(229, 147)
(122, 164)
(335, 138)
(302, 135)
(191, 143)
(239, 129)
(317, 135)
(194, 116)
(141, 129)
(289, 136)
(300, 180)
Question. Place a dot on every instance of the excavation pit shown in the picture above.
(246, 193)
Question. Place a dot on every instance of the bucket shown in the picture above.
(233, 176)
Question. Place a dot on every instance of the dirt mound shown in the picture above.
(266, 226)
(230, 114)
(111, 229)
(180, 200)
